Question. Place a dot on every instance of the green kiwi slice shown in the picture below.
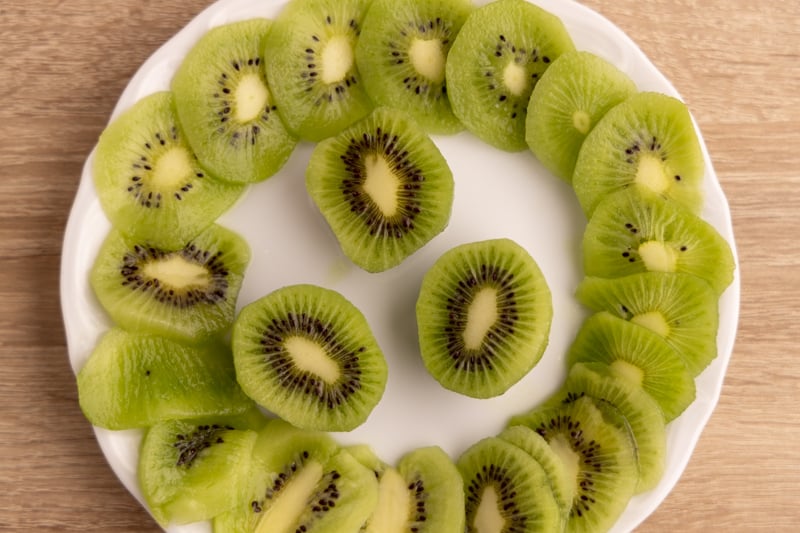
(633, 231)
(187, 294)
(402, 52)
(639, 355)
(148, 179)
(383, 187)
(648, 142)
(135, 381)
(308, 355)
(573, 94)
(310, 65)
(499, 55)
(226, 106)
(506, 490)
(681, 308)
(483, 316)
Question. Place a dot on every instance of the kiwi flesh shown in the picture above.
(308, 355)
(499, 55)
(483, 317)
(226, 106)
(383, 187)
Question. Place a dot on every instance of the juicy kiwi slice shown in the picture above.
(149, 181)
(506, 490)
(186, 294)
(648, 142)
(402, 52)
(310, 65)
(633, 231)
(598, 456)
(226, 106)
(308, 355)
(638, 355)
(496, 60)
(680, 308)
(574, 93)
(483, 316)
(134, 381)
(383, 187)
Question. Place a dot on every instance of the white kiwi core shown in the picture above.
(654, 321)
(381, 184)
(569, 458)
(308, 356)
(651, 173)
(427, 57)
(282, 515)
(394, 504)
(481, 315)
(488, 518)
(337, 59)
(251, 98)
(176, 272)
(628, 371)
(658, 257)
(515, 78)
(581, 121)
(172, 169)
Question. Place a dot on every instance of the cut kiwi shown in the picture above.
(186, 294)
(483, 316)
(226, 106)
(634, 231)
(681, 308)
(402, 52)
(647, 142)
(135, 381)
(308, 355)
(383, 187)
(575, 92)
(506, 490)
(496, 60)
(148, 179)
(638, 355)
(310, 64)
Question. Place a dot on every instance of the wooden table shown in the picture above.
(736, 62)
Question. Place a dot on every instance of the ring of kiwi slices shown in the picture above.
(529, 198)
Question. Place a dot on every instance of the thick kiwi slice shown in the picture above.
(483, 316)
(402, 52)
(679, 307)
(308, 355)
(633, 231)
(506, 490)
(149, 181)
(648, 142)
(496, 60)
(639, 355)
(384, 188)
(134, 381)
(310, 64)
(575, 92)
(186, 294)
(226, 107)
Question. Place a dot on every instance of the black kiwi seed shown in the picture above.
(190, 446)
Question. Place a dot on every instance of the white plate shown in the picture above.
(497, 195)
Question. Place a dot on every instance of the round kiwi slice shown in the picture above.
(187, 294)
(149, 181)
(308, 355)
(496, 60)
(311, 68)
(574, 93)
(483, 316)
(402, 52)
(383, 187)
(226, 106)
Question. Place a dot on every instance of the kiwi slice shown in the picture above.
(383, 187)
(635, 231)
(506, 490)
(402, 52)
(496, 60)
(308, 355)
(483, 316)
(639, 355)
(135, 381)
(597, 455)
(149, 181)
(647, 142)
(681, 308)
(226, 106)
(574, 93)
(310, 65)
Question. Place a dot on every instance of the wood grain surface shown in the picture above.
(736, 62)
